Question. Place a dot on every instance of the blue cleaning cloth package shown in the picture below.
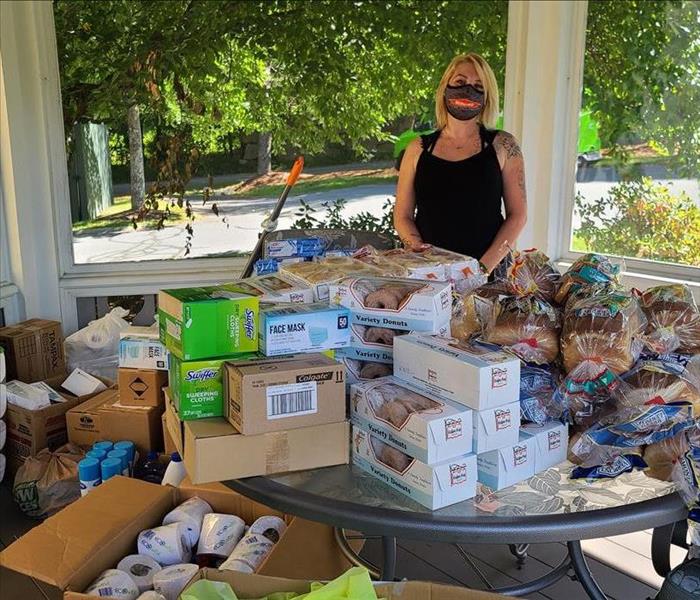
(298, 328)
(300, 247)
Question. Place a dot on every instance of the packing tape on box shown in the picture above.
(277, 453)
(114, 583)
(168, 544)
(141, 569)
(220, 534)
(257, 543)
(190, 513)
(151, 595)
(172, 580)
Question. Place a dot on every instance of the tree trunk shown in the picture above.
(264, 153)
(137, 177)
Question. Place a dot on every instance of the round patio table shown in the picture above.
(549, 507)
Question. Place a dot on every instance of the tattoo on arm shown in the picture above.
(510, 146)
(521, 182)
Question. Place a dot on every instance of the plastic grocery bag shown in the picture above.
(47, 482)
(95, 348)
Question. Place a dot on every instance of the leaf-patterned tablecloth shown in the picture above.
(549, 492)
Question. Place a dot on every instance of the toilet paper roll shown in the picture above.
(251, 551)
(114, 584)
(220, 534)
(168, 544)
(3, 434)
(190, 513)
(172, 580)
(151, 595)
(141, 569)
(270, 527)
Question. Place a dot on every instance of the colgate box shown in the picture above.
(496, 427)
(433, 486)
(507, 466)
(422, 426)
(208, 321)
(552, 441)
(477, 375)
(196, 386)
(395, 303)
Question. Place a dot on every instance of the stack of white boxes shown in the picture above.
(487, 380)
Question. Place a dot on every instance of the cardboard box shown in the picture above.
(382, 355)
(360, 339)
(29, 431)
(95, 532)
(139, 352)
(360, 371)
(203, 442)
(141, 387)
(507, 466)
(168, 443)
(33, 350)
(477, 375)
(426, 306)
(552, 441)
(496, 427)
(439, 432)
(247, 586)
(275, 288)
(207, 322)
(284, 393)
(303, 328)
(105, 418)
(197, 386)
(433, 486)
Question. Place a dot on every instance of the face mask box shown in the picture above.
(496, 428)
(141, 387)
(433, 486)
(33, 350)
(432, 434)
(275, 288)
(264, 396)
(360, 371)
(196, 386)
(552, 441)
(303, 328)
(208, 322)
(477, 375)
(420, 305)
(96, 531)
(139, 352)
(507, 466)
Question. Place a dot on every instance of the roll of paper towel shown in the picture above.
(141, 568)
(114, 583)
(3, 434)
(190, 513)
(3, 400)
(251, 551)
(151, 595)
(168, 544)
(3, 464)
(172, 580)
(220, 534)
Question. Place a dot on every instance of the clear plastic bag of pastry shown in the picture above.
(528, 326)
(673, 319)
(603, 327)
(588, 270)
(326, 269)
(463, 271)
(371, 256)
(530, 273)
(417, 264)
(395, 403)
(539, 402)
(470, 313)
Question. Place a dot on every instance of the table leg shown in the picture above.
(583, 573)
(388, 558)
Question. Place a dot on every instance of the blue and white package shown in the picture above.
(299, 247)
(303, 328)
(265, 266)
(537, 400)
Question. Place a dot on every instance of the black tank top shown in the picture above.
(458, 203)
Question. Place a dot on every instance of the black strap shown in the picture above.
(428, 141)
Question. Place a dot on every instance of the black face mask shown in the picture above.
(464, 102)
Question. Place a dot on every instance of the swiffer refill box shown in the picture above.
(552, 441)
(477, 375)
(423, 427)
(303, 328)
(395, 303)
(434, 486)
(507, 466)
(208, 321)
(496, 427)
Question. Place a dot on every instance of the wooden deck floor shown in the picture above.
(416, 560)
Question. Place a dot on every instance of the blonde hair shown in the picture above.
(489, 113)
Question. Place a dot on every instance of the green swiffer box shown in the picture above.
(196, 386)
(208, 321)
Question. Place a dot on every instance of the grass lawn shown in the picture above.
(118, 217)
(317, 185)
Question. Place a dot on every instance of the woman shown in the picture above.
(452, 181)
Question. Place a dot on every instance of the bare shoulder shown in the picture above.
(506, 144)
(415, 147)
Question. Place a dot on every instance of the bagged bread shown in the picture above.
(664, 379)
(588, 270)
(604, 328)
(531, 273)
(528, 326)
(673, 319)
(662, 456)
(470, 313)
(538, 401)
